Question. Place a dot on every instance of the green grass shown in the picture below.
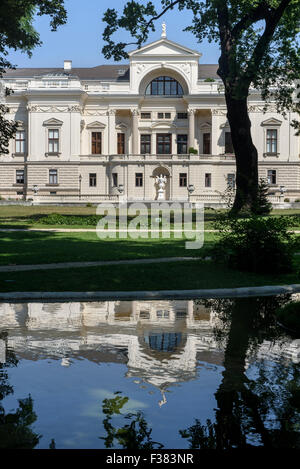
(28, 216)
(46, 247)
(182, 275)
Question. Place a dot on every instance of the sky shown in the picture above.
(80, 40)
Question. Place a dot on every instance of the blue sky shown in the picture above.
(80, 40)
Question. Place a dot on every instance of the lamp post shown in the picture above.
(80, 179)
(282, 190)
(191, 189)
(121, 191)
(35, 192)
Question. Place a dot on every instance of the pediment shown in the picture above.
(165, 48)
(121, 126)
(52, 121)
(271, 121)
(96, 125)
(205, 125)
(163, 125)
(224, 125)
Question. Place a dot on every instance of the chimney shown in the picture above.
(67, 65)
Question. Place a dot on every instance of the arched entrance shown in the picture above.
(161, 171)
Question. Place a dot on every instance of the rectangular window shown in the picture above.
(20, 177)
(231, 180)
(167, 115)
(121, 144)
(228, 143)
(207, 179)
(182, 115)
(20, 141)
(138, 179)
(145, 115)
(183, 179)
(93, 179)
(182, 144)
(164, 115)
(115, 179)
(145, 144)
(272, 141)
(206, 144)
(53, 176)
(164, 144)
(160, 115)
(53, 140)
(96, 143)
(271, 176)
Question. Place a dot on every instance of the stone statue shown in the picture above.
(161, 182)
(164, 30)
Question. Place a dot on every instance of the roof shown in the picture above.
(101, 72)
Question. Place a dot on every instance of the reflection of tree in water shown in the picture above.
(133, 435)
(15, 431)
(262, 411)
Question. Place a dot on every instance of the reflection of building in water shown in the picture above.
(161, 342)
(2, 351)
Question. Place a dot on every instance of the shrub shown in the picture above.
(297, 200)
(256, 244)
(289, 315)
(58, 219)
(263, 206)
(193, 151)
(286, 200)
(210, 80)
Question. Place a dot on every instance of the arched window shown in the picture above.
(167, 86)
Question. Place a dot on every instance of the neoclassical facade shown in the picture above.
(101, 133)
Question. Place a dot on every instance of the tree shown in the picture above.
(259, 48)
(17, 32)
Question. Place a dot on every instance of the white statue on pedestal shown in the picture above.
(161, 181)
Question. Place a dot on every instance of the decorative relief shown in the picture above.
(186, 68)
(94, 112)
(140, 68)
(219, 112)
(111, 112)
(262, 108)
(35, 108)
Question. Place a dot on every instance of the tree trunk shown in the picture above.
(245, 154)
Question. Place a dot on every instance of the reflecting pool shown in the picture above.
(148, 374)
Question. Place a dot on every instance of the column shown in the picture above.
(112, 136)
(153, 143)
(191, 114)
(135, 132)
(215, 132)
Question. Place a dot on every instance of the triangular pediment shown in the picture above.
(165, 48)
(121, 126)
(96, 125)
(205, 125)
(52, 121)
(271, 121)
(163, 125)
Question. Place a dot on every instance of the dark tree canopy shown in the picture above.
(17, 32)
(259, 47)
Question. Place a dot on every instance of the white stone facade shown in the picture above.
(89, 135)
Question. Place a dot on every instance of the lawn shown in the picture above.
(45, 247)
(182, 275)
(28, 216)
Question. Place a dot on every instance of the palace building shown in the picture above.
(97, 134)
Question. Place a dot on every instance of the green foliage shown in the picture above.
(256, 244)
(262, 206)
(209, 80)
(200, 436)
(289, 315)
(193, 151)
(58, 219)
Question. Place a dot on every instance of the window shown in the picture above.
(271, 140)
(53, 140)
(231, 180)
(183, 179)
(271, 176)
(53, 176)
(145, 115)
(138, 179)
(115, 179)
(164, 86)
(163, 144)
(96, 143)
(164, 115)
(145, 144)
(207, 179)
(93, 179)
(121, 144)
(182, 144)
(182, 115)
(228, 143)
(20, 141)
(20, 178)
(206, 144)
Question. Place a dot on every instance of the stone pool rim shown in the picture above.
(239, 292)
